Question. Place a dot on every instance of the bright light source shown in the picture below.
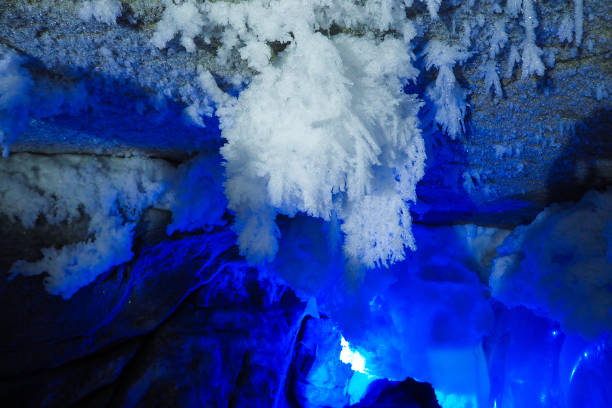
(348, 356)
(361, 379)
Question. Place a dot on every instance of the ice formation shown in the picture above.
(185, 19)
(565, 32)
(578, 21)
(304, 109)
(532, 63)
(313, 144)
(201, 208)
(112, 193)
(446, 94)
(559, 265)
(104, 11)
(325, 129)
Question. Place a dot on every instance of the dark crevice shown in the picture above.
(241, 379)
(130, 368)
(106, 349)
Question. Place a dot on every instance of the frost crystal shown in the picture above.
(491, 78)
(112, 192)
(324, 128)
(448, 97)
(513, 58)
(314, 134)
(184, 19)
(532, 63)
(566, 30)
(433, 6)
(578, 20)
(104, 11)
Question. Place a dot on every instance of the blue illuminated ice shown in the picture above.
(348, 356)
(361, 379)
(456, 400)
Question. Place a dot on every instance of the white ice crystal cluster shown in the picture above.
(111, 195)
(112, 192)
(104, 11)
(324, 128)
(447, 95)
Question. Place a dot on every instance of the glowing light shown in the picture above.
(358, 386)
(348, 356)
(555, 333)
(574, 369)
(361, 379)
(457, 400)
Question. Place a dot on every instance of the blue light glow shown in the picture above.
(456, 400)
(348, 356)
(361, 379)
(358, 386)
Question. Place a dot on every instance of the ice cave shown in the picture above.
(306, 203)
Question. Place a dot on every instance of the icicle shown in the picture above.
(578, 21)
